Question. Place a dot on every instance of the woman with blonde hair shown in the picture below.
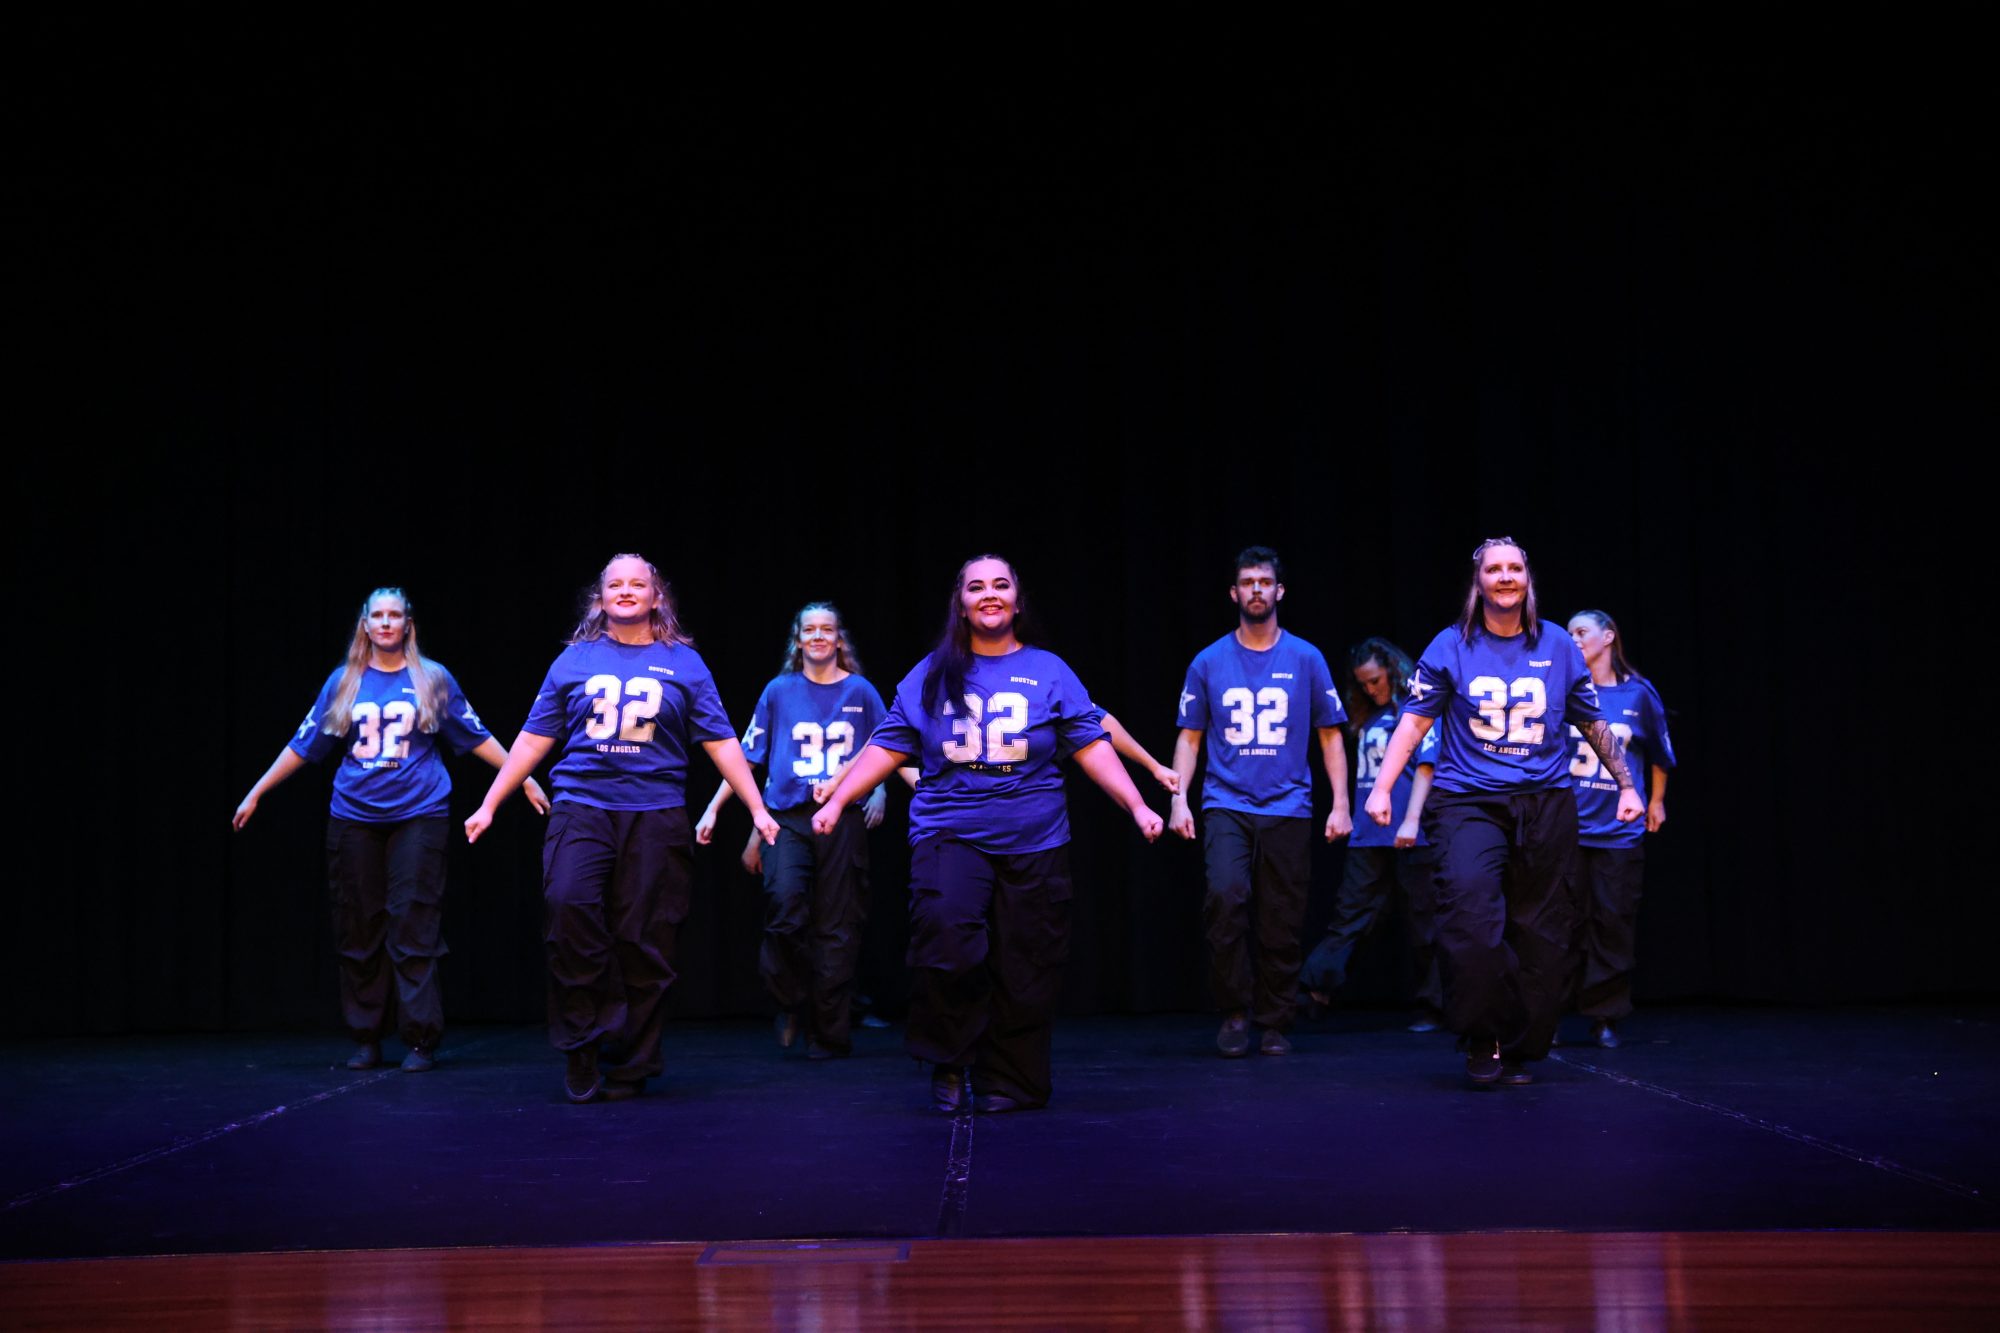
(384, 709)
(627, 699)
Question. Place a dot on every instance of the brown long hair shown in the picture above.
(844, 655)
(425, 678)
(1470, 618)
(952, 658)
(1621, 665)
(666, 624)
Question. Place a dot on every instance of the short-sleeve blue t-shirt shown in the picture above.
(1504, 705)
(626, 715)
(991, 762)
(1260, 712)
(807, 733)
(391, 770)
(1371, 746)
(1639, 719)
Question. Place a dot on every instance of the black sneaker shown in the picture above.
(419, 1061)
(1514, 1074)
(1234, 1038)
(581, 1081)
(1274, 1042)
(1482, 1060)
(818, 1050)
(366, 1056)
(621, 1090)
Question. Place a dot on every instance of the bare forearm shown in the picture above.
(866, 771)
(727, 756)
(1101, 764)
(1334, 754)
(1659, 784)
(286, 764)
(527, 751)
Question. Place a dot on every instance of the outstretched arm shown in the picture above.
(727, 755)
(1187, 748)
(1102, 765)
(1127, 745)
(286, 764)
(523, 755)
(1410, 730)
(864, 773)
(495, 754)
(704, 828)
(1333, 751)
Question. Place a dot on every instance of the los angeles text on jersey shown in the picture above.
(607, 748)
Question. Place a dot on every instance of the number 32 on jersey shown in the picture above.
(990, 730)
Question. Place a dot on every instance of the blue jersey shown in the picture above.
(391, 770)
(626, 714)
(1260, 712)
(1371, 745)
(1504, 705)
(1639, 719)
(990, 761)
(806, 733)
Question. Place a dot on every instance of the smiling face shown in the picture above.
(1256, 593)
(1375, 682)
(987, 597)
(819, 637)
(1503, 577)
(388, 622)
(627, 592)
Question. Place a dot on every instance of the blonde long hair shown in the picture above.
(425, 677)
(666, 624)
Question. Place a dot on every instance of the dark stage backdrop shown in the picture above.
(1695, 316)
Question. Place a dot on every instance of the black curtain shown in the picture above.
(1695, 316)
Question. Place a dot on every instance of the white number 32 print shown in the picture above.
(998, 722)
(1496, 720)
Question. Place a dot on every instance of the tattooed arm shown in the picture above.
(1611, 752)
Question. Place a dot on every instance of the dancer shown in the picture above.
(808, 722)
(626, 699)
(1506, 685)
(1379, 859)
(1254, 687)
(1610, 860)
(385, 836)
(987, 716)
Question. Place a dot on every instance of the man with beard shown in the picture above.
(1258, 689)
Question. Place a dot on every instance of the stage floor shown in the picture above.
(1708, 1119)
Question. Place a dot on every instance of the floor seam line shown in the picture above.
(195, 1141)
(1879, 1162)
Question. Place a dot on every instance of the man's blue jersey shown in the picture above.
(807, 733)
(626, 714)
(1371, 745)
(1504, 706)
(990, 761)
(1260, 712)
(1634, 710)
(391, 770)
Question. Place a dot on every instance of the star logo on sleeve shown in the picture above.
(750, 736)
(305, 727)
(1418, 685)
(471, 719)
(1590, 692)
(1186, 699)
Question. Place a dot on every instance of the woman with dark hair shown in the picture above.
(988, 717)
(1610, 861)
(1380, 858)
(627, 699)
(384, 709)
(808, 723)
(1505, 687)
